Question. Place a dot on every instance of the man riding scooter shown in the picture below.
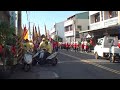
(27, 60)
(44, 45)
(45, 55)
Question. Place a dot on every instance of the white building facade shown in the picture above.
(58, 30)
(74, 24)
(102, 22)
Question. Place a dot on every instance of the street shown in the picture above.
(72, 65)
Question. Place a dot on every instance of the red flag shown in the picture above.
(24, 32)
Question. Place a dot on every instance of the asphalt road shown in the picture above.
(73, 65)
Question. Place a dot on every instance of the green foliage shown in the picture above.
(6, 33)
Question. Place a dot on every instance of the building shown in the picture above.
(58, 30)
(5, 17)
(103, 23)
(74, 24)
(13, 18)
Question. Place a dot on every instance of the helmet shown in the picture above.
(46, 42)
(43, 39)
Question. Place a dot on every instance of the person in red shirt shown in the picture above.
(119, 43)
(56, 46)
(67, 46)
(75, 46)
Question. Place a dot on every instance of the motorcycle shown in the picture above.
(27, 61)
(39, 58)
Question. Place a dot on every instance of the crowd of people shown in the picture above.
(85, 45)
(50, 46)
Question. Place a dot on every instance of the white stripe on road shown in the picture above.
(56, 75)
(95, 64)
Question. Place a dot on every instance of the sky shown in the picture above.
(48, 18)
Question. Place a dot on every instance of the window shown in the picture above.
(102, 15)
(71, 27)
(66, 28)
(88, 27)
(113, 14)
(77, 34)
(79, 27)
(97, 17)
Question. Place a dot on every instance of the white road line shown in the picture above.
(95, 64)
(56, 75)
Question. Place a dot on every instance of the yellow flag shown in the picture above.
(26, 36)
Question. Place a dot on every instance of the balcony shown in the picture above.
(110, 22)
(97, 25)
(69, 33)
(68, 22)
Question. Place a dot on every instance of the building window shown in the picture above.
(88, 27)
(71, 27)
(79, 27)
(101, 15)
(66, 28)
(77, 34)
(113, 14)
(97, 17)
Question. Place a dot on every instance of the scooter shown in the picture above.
(27, 61)
(39, 58)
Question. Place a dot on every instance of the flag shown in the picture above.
(48, 34)
(33, 34)
(36, 34)
(45, 31)
(26, 36)
(39, 35)
(39, 32)
(24, 31)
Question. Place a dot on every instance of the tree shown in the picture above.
(6, 33)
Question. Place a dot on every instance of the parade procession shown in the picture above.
(40, 45)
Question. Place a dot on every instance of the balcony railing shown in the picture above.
(110, 22)
(97, 25)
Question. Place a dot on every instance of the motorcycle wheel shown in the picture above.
(55, 61)
(41, 62)
(34, 62)
(27, 67)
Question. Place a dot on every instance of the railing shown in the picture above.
(97, 25)
(110, 22)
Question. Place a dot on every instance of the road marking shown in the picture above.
(95, 64)
(101, 66)
(56, 75)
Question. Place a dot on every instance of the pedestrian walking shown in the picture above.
(67, 46)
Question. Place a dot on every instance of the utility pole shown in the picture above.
(19, 41)
(29, 31)
(19, 23)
